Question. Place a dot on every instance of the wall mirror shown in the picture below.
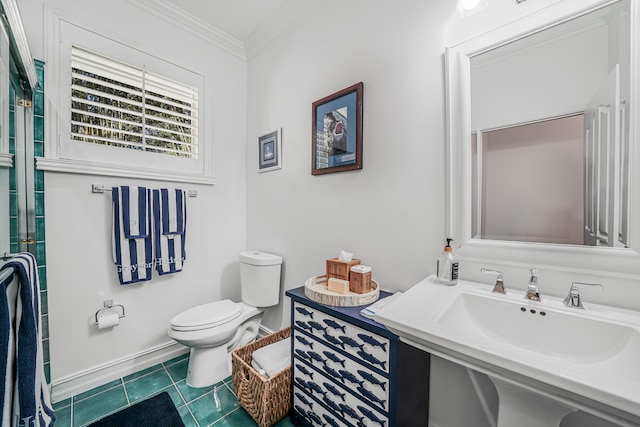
(541, 144)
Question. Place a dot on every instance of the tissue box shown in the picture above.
(360, 281)
(340, 269)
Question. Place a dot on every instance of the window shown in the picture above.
(121, 111)
(116, 104)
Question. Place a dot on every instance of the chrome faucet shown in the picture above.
(499, 286)
(533, 292)
(573, 297)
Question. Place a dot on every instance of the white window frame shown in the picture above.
(137, 121)
(62, 154)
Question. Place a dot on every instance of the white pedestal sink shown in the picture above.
(521, 407)
(546, 360)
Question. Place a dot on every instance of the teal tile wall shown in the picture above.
(38, 128)
(13, 187)
(38, 132)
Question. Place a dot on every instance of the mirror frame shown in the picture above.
(619, 262)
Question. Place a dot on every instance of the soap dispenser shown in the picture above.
(447, 266)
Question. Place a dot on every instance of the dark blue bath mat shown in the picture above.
(157, 411)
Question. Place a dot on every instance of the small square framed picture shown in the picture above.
(270, 151)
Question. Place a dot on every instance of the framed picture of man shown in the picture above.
(336, 140)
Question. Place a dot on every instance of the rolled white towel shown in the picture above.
(273, 358)
(258, 369)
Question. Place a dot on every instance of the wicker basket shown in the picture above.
(267, 400)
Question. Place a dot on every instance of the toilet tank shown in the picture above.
(260, 278)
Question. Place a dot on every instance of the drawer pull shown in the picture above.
(335, 325)
(372, 341)
(369, 414)
(331, 421)
(304, 312)
(333, 373)
(371, 359)
(304, 400)
(304, 341)
(304, 370)
(334, 390)
(349, 376)
(372, 379)
(350, 342)
(334, 358)
(333, 340)
(304, 325)
(366, 393)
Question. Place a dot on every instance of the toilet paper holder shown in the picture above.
(108, 304)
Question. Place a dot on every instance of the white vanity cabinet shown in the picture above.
(351, 371)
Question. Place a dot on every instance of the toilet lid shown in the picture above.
(206, 316)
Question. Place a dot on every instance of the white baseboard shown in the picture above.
(263, 332)
(80, 382)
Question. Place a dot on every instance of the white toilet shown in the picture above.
(215, 329)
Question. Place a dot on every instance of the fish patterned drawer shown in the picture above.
(313, 412)
(345, 371)
(360, 343)
(351, 409)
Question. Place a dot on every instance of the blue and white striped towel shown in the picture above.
(173, 213)
(132, 246)
(135, 212)
(24, 392)
(169, 225)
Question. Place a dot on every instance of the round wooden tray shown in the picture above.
(315, 288)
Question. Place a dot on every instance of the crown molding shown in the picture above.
(174, 15)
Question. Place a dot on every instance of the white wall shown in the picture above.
(80, 269)
(391, 213)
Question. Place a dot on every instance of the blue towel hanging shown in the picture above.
(135, 212)
(173, 211)
(132, 240)
(169, 222)
(24, 391)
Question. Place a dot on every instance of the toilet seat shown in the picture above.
(206, 316)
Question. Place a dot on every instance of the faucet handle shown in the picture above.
(573, 297)
(499, 286)
(533, 292)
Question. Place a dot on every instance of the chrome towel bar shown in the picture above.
(7, 256)
(100, 188)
